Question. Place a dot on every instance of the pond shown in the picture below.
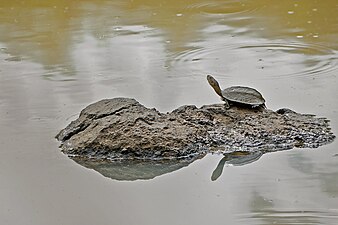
(57, 57)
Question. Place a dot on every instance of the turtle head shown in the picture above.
(214, 84)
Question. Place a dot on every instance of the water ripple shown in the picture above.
(292, 217)
(222, 8)
(305, 60)
(261, 60)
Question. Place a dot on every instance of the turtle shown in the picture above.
(238, 95)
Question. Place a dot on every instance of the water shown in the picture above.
(56, 57)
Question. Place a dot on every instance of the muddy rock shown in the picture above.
(123, 128)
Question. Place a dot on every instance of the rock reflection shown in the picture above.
(238, 158)
(131, 170)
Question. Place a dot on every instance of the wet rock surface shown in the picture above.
(122, 128)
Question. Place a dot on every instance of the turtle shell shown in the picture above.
(243, 95)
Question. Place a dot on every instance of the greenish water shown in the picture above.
(56, 57)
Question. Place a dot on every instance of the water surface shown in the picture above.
(56, 57)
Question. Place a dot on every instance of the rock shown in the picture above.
(122, 128)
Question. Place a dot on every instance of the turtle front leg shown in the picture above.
(226, 103)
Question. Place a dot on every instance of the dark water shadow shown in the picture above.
(131, 170)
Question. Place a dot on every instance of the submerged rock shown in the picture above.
(122, 128)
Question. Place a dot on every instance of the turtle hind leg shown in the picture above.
(261, 107)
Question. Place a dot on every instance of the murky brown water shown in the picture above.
(56, 57)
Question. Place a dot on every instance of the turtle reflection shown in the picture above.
(237, 158)
(131, 170)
